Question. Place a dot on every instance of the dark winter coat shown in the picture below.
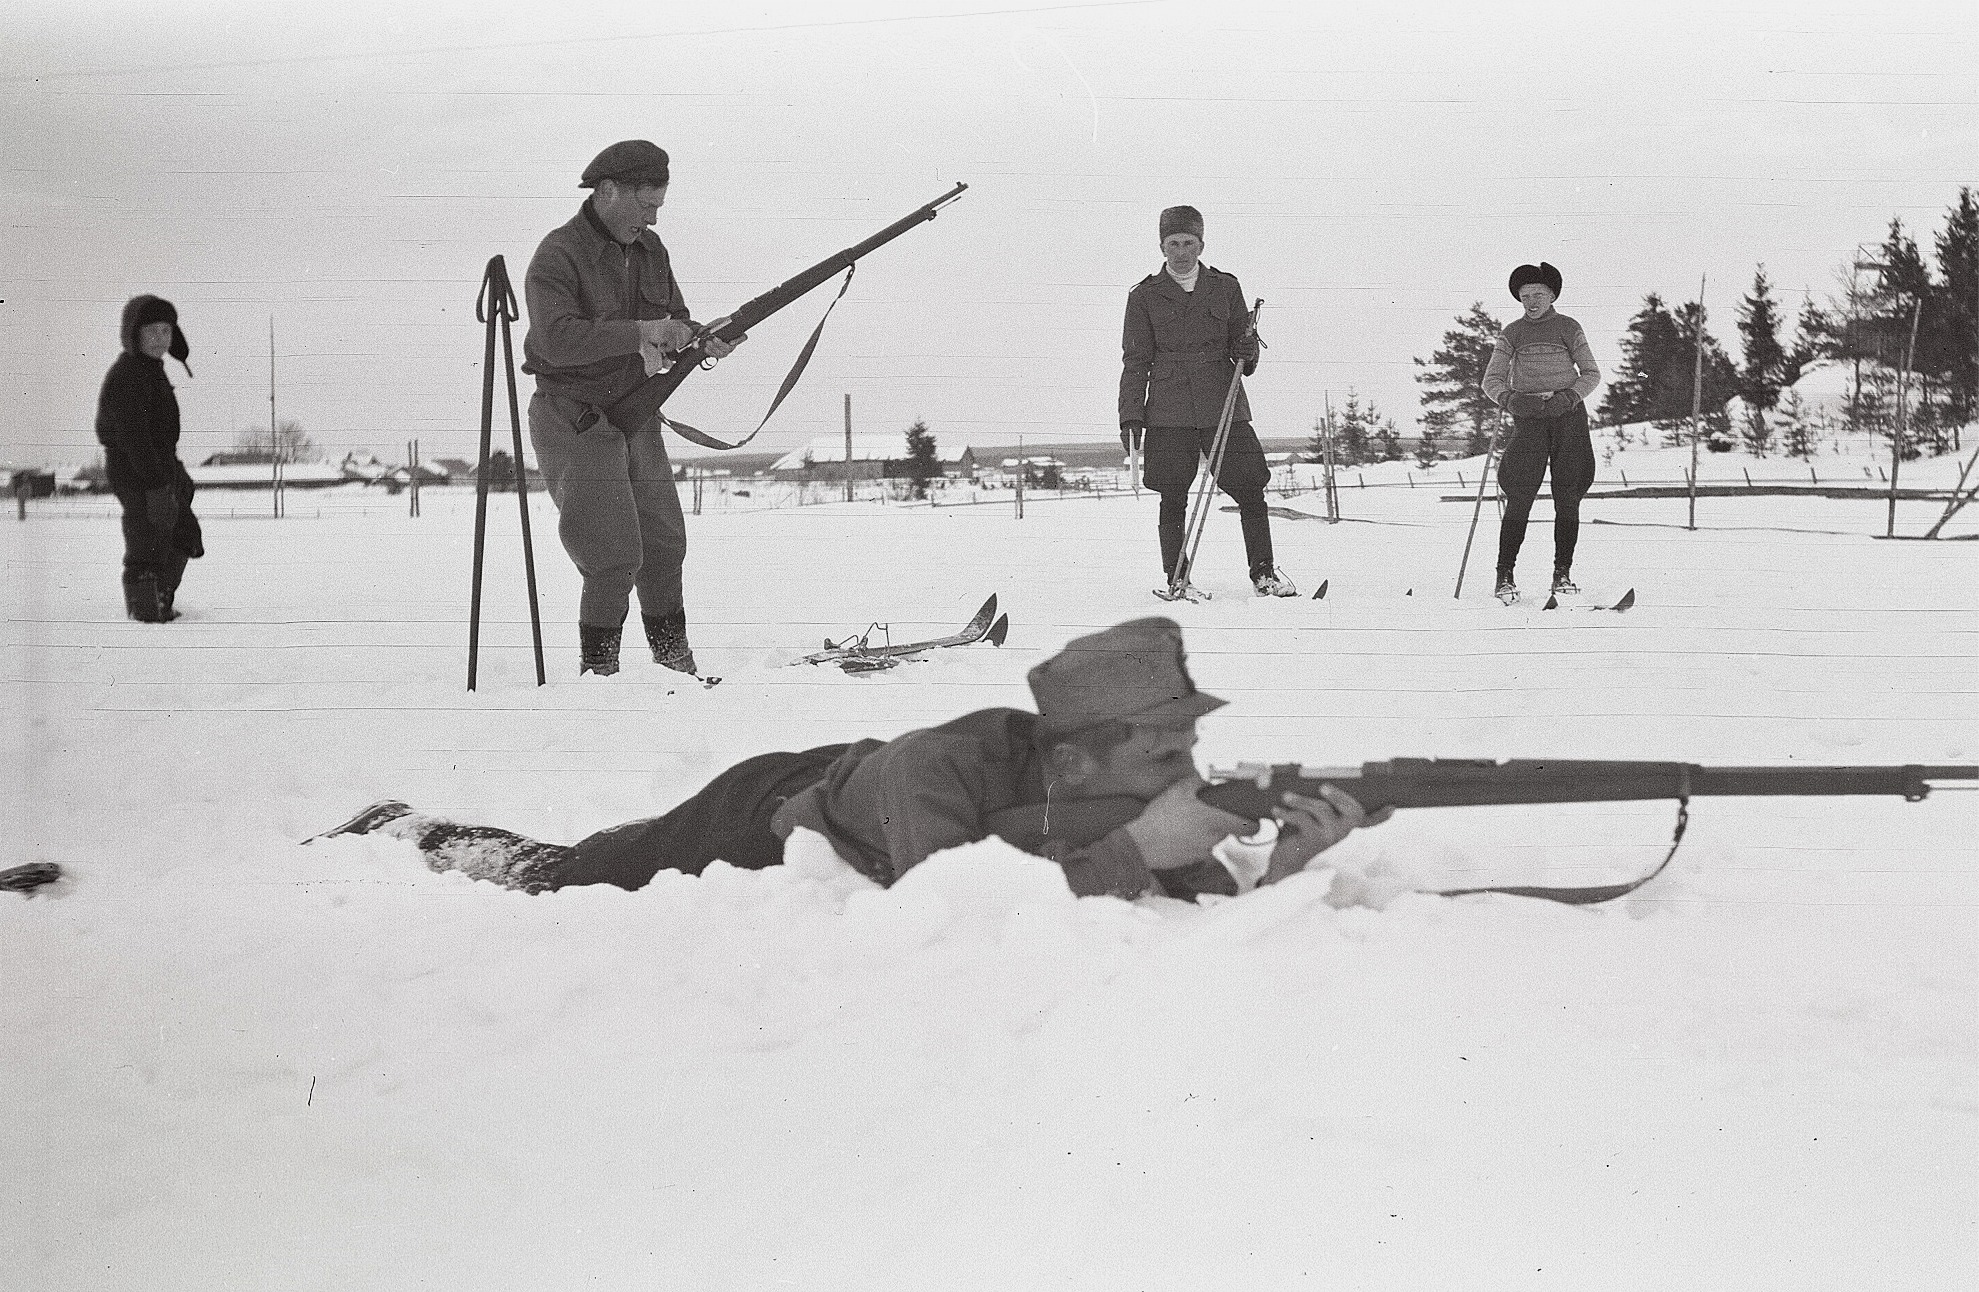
(137, 422)
(586, 292)
(1177, 348)
(888, 806)
(137, 415)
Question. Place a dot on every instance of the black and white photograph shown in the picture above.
(879, 645)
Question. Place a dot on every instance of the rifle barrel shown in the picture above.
(636, 408)
(1423, 782)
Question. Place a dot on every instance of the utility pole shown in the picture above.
(1696, 401)
(1896, 444)
(274, 433)
(848, 446)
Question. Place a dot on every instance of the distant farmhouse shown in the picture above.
(254, 469)
(874, 457)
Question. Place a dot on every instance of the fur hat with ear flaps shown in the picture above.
(1542, 273)
(140, 310)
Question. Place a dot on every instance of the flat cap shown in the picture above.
(1133, 672)
(630, 161)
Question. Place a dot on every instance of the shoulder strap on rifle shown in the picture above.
(708, 441)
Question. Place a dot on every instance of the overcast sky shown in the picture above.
(1369, 170)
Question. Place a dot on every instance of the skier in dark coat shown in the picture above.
(137, 420)
(1186, 332)
(1541, 372)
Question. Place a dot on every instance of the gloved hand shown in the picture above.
(1526, 405)
(1179, 829)
(1131, 434)
(1308, 827)
(161, 508)
(1560, 403)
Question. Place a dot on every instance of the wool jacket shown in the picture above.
(1177, 350)
(888, 806)
(137, 420)
(586, 292)
(1540, 356)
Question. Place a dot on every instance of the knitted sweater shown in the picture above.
(1539, 356)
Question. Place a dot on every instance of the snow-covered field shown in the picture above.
(233, 1062)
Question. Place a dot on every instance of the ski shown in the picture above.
(1321, 594)
(857, 654)
(1626, 600)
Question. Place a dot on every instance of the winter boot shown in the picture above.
(1563, 583)
(141, 600)
(379, 813)
(1270, 581)
(1506, 591)
(168, 586)
(667, 635)
(597, 650)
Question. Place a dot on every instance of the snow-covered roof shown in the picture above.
(872, 447)
(294, 473)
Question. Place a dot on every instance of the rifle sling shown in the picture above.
(708, 441)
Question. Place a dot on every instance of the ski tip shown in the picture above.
(1628, 599)
(1552, 603)
(1321, 594)
(24, 879)
(999, 630)
(1410, 593)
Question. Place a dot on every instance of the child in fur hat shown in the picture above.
(137, 421)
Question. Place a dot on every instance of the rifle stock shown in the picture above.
(1251, 791)
(636, 408)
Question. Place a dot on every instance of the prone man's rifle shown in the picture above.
(637, 407)
(1252, 790)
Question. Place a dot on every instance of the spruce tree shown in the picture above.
(1387, 442)
(1956, 336)
(1761, 375)
(1659, 354)
(922, 464)
(1798, 437)
(1350, 440)
(1814, 336)
(1428, 451)
(1452, 379)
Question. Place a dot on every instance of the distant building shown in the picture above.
(874, 457)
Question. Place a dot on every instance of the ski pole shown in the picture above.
(1134, 460)
(1478, 506)
(1206, 490)
(497, 308)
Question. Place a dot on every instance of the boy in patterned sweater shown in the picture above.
(1542, 372)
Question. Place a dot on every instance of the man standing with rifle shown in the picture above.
(604, 313)
(1186, 333)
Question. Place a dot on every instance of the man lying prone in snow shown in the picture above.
(1116, 716)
